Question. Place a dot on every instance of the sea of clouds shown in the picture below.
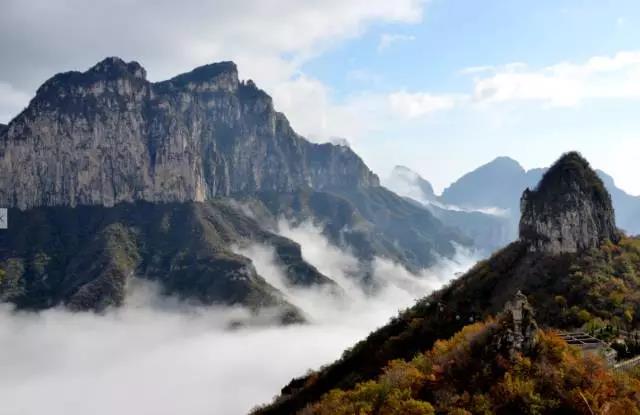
(156, 355)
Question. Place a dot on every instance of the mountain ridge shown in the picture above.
(118, 137)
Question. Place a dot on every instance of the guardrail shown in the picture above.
(627, 364)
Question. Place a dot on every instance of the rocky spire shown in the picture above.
(569, 211)
(518, 327)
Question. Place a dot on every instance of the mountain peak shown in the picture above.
(115, 67)
(207, 72)
(407, 182)
(490, 185)
(219, 76)
(65, 89)
(569, 211)
(505, 161)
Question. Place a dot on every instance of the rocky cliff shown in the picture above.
(569, 211)
(108, 135)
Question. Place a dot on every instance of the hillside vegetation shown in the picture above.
(591, 289)
(465, 375)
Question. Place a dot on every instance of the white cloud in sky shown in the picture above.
(39, 38)
(389, 39)
(418, 104)
(12, 101)
(472, 70)
(564, 84)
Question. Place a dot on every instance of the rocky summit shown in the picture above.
(569, 211)
(108, 135)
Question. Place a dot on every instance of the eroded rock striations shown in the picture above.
(108, 135)
(569, 211)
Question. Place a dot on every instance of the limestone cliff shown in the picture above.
(569, 211)
(108, 135)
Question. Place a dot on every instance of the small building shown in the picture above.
(590, 345)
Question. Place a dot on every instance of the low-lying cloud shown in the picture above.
(157, 355)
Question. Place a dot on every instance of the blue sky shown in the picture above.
(441, 86)
(431, 55)
(456, 34)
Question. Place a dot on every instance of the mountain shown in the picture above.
(406, 182)
(108, 135)
(484, 204)
(371, 222)
(505, 365)
(586, 280)
(84, 257)
(489, 186)
(627, 206)
(153, 181)
(569, 211)
(501, 182)
(488, 229)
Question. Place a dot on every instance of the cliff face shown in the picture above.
(108, 135)
(569, 211)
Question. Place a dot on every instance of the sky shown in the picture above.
(440, 86)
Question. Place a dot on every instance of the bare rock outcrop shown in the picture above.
(108, 135)
(518, 328)
(569, 211)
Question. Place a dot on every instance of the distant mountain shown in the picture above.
(627, 207)
(489, 228)
(405, 182)
(145, 177)
(492, 185)
(571, 263)
(496, 187)
(500, 183)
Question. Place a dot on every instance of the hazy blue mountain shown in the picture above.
(627, 207)
(489, 229)
(492, 185)
(405, 182)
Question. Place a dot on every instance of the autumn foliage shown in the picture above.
(466, 375)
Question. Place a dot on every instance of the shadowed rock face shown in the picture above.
(85, 257)
(108, 135)
(569, 211)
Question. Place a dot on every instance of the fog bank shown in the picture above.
(156, 355)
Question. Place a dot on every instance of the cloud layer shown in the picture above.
(158, 356)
